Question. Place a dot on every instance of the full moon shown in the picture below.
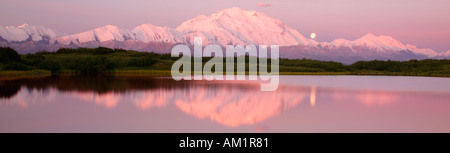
(313, 35)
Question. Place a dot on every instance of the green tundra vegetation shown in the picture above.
(120, 61)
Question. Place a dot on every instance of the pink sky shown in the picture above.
(423, 23)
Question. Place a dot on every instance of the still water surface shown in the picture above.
(151, 104)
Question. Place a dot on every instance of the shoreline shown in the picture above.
(165, 73)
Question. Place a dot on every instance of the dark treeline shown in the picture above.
(85, 60)
(101, 59)
(89, 83)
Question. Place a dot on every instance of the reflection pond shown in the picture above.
(102, 103)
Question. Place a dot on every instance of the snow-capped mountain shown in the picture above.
(237, 26)
(229, 26)
(151, 33)
(447, 53)
(444, 55)
(105, 33)
(26, 32)
(381, 44)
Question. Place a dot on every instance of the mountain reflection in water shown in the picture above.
(229, 103)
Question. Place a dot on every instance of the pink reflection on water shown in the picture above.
(312, 96)
(109, 99)
(27, 97)
(369, 98)
(238, 107)
(229, 105)
(159, 98)
(205, 104)
(142, 100)
(379, 98)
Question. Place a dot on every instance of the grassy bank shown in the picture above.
(25, 73)
(167, 73)
(124, 62)
(160, 73)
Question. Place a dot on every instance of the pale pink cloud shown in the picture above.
(264, 5)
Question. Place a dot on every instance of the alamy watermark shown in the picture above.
(216, 62)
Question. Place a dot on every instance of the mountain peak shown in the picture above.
(151, 33)
(234, 26)
(236, 12)
(372, 37)
(369, 36)
(100, 34)
(23, 25)
(151, 26)
(445, 54)
(108, 27)
(238, 26)
(26, 32)
(381, 41)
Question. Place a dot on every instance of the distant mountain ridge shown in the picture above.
(229, 26)
(26, 32)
